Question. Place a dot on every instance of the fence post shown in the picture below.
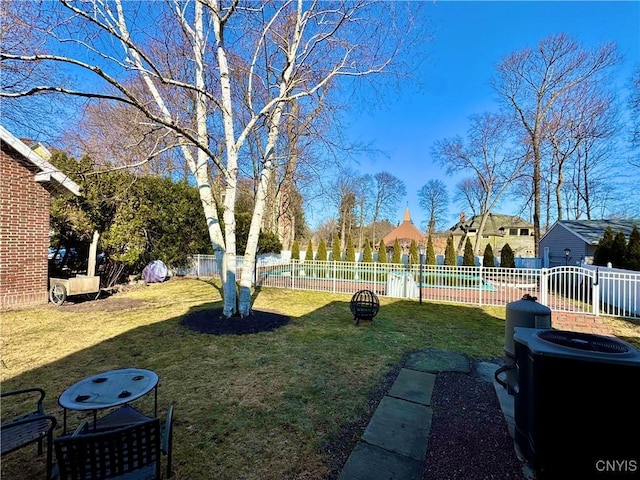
(405, 279)
(198, 266)
(595, 294)
(375, 273)
(544, 286)
(595, 299)
(480, 284)
(335, 274)
(292, 268)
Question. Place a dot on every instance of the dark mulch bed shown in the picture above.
(212, 321)
(469, 438)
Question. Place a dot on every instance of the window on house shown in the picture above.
(485, 236)
(513, 231)
(524, 231)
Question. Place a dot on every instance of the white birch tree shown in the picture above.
(244, 63)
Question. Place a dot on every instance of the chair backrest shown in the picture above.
(133, 451)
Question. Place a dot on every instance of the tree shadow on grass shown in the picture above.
(230, 383)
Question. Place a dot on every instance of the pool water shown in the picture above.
(430, 279)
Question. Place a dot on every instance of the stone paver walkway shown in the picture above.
(394, 444)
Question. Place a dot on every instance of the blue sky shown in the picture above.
(469, 39)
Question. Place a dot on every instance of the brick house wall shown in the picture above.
(24, 232)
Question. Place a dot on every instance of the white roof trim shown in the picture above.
(46, 169)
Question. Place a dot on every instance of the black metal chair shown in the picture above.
(32, 427)
(127, 415)
(120, 417)
(131, 452)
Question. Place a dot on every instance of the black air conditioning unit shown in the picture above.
(577, 404)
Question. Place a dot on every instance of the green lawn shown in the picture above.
(262, 406)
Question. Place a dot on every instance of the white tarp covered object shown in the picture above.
(155, 271)
(401, 285)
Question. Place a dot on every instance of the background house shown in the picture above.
(498, 230)
(27, 182)
(581, 237)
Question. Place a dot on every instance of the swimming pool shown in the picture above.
(430, 279)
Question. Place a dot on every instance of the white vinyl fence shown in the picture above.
(619, 290)
(585, 289)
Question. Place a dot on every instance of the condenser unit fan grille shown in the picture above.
(585, 342)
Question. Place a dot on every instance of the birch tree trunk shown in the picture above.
(201, 170)
(231, 171)
(244, 304)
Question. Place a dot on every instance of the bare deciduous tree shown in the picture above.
(434, 199)
(490, 153)
(469, 194)
(595, 166)
(116, 136)
(388, 191)
(363, 204)
(583, 121)
(531, 81)
(344, 194)
(326, 231)
(18, 36)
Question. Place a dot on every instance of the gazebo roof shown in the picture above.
(405, 232)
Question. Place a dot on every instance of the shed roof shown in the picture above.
(46, 171)
(405, 231)
(591, 231)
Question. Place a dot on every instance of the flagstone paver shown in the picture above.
(400, 427)
(435, 361)
(368, 462)
(413, 386)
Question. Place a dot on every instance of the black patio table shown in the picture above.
(107, 390)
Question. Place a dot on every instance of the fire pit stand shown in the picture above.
(364, 306)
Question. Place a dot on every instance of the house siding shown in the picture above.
(557, 239)
(497, 232)
(24, 233)
(522, 245)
